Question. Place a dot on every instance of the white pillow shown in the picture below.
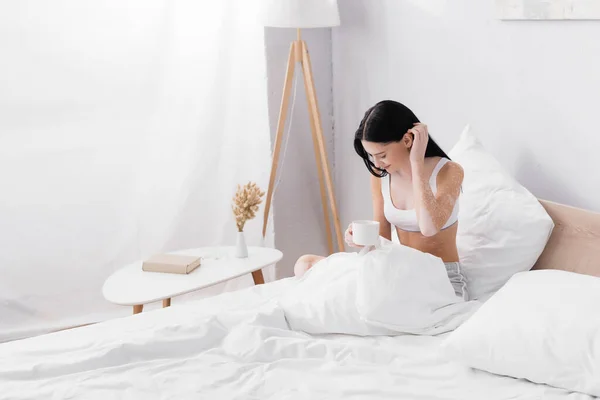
(502, 227)
(543, 326)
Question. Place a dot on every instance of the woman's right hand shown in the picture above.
(350, 239)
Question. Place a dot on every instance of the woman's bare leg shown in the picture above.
(305, 262)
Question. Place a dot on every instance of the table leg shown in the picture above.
(258, 277)
(138, 308)
(167, 302)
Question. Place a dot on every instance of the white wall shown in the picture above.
(298, 214)
(530, 89)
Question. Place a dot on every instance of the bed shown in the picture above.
(237, 346)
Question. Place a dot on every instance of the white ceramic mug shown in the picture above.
(365, 232)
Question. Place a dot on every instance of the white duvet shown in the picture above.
(239, 346)
(394, 289)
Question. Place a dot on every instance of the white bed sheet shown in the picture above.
(238, 346)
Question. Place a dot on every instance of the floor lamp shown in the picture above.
(301, 14)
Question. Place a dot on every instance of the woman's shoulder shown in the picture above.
(451, 173)
(443, 165)
(375, 182)
(452, 168)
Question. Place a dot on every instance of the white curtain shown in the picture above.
(125, 127)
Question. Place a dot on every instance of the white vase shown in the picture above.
(241, 250)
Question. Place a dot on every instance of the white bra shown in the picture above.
(407, 219)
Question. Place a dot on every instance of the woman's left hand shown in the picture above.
(420, 140)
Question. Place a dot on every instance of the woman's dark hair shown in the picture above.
(386, 122)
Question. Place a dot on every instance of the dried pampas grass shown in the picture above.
(245, 203)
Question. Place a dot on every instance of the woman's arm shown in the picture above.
(385, 228)
(432, 211)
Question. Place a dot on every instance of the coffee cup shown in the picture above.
(365, 232)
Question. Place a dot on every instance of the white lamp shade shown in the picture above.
(300, 13)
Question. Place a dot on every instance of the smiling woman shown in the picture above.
(415, 186)
(382, 128)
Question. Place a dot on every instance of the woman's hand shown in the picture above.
(350, 239)
(420, 140)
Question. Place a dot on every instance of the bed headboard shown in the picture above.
(575, 242)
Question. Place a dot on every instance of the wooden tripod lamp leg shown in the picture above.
(314, 110)
(313, 128)
(280, 128)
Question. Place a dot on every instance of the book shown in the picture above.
(171, 263)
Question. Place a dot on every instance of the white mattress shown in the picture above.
(238, 346)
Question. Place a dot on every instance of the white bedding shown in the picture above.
(238, 346)
(392, 290)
